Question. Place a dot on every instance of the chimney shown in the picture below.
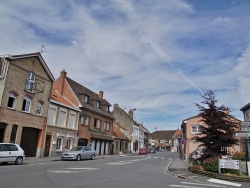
(62, 78)
(131, 113)
(101, 94)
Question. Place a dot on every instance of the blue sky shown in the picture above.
(156, 56)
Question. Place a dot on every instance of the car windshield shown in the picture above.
(76, 149)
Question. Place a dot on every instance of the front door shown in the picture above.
(2, 130)
(47, 146)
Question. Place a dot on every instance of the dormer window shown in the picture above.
(86, 99)
(107, 108)
(30, 82)
(97, 104)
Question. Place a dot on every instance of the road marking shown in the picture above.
(203, 184)
(73, 170)
(224, 182)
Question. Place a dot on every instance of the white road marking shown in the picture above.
(73, 170)
(224, 182)
(210, 185)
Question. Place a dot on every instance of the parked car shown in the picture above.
(78, 153)
(151, 150)
(10, 152)
(199, 155)
(143, 151)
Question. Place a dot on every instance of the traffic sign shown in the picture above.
(243, 134)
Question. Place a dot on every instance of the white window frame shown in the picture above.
(39, 108)
(107, 108)
(62, 122)
(97, 123)
(51, 116)
(59, 143)
(13, 96)
(197, 127)
(86, 99)
(98, 104)
(106, 126)
(30, 83)
(69, 143)
(71, 123)
(27, 104)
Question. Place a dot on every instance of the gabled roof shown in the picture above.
(117, 133)
(244, 108)
(39, 56)
(80, 90)
(62, 100)
(177, 134)
(163, 135)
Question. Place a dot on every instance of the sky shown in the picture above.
(157, 57)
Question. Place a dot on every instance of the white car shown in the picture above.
(11, 153)
(78, 153)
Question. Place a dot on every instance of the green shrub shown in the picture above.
(239, 156)
(230, 171)
(211, 164)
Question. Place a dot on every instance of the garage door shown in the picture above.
(29, 141)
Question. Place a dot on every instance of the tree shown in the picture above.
(218, 127)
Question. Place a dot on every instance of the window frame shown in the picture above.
(60, 123)
(13, 97)
(26, 106)
(86, 99)
(98, 104)
(97, 123)
(197, 127)
(49, 115)
(30, 82)
(59, 143)
(39, 107)
(71, 125)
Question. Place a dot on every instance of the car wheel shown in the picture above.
(93, 157)
(19, 160)
(78, 157)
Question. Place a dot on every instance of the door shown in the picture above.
(29, 141)
(47, 146)
(2, 130)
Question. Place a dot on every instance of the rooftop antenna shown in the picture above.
(43, 49)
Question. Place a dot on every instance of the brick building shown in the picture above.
(25, 87)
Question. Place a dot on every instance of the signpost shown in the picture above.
(230, 164)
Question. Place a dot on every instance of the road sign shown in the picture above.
(243, 134)
(230, 164)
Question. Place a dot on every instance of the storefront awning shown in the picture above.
(101, 137)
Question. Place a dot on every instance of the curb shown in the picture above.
(220, 176)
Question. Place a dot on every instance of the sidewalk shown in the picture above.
(179, 168)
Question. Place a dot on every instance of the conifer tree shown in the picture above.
(218, 127)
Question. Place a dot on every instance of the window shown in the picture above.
(106, 126)
(59, 143)
(13, 134)
(107, 109)
(97, 123)
(26, 104)
(196, 129)
(62, 118)
(69, 144)
(84, 119)
(97, 104)
(30, 82)
(39, 108)
(72, 117)
(86, 99)
(51, 115)
(11, 101)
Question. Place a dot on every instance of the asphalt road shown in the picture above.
(138, 171)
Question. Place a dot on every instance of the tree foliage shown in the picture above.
(218, 127)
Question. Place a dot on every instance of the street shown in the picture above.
(140, 171)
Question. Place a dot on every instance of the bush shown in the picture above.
(239, 156)
(211, 164)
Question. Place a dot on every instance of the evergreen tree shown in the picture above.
(218, 127)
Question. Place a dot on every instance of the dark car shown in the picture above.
(152, 150)
(199, 155)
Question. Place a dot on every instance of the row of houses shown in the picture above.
(47, 116)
